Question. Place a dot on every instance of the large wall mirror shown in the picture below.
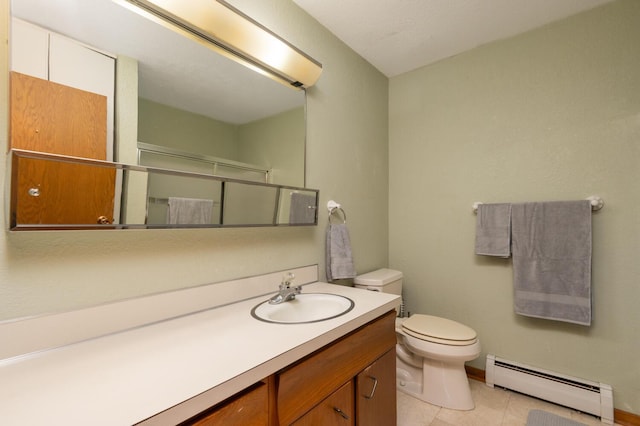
(183, 125)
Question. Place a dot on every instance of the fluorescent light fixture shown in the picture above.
(228, 31)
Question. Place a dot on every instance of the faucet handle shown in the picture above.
(287, 279)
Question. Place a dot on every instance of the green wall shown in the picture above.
(548, 115)
(163, 125)
(275, 142)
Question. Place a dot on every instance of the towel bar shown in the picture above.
(157, 200)
(596, 203)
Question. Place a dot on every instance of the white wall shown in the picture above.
(346, 160)
(552, 114)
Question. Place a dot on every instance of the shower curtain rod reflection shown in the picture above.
(202, 158)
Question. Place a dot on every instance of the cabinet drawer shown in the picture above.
(306, 383)
(336, 409)
(248, 408)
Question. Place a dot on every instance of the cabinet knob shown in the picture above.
(103, 220)
(34, 192)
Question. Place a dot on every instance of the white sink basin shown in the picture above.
(305, 308)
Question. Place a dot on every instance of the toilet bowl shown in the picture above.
(431, 351)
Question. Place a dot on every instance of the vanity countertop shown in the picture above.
(165, 371)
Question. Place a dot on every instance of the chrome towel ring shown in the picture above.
(334, 207)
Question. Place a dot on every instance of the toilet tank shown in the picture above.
(383, 280)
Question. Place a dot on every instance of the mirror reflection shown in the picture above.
(188, 97)
(165, 100)
(211, 201)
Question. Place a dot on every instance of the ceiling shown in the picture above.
(397, 36)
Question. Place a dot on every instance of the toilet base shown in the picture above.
(438, 383)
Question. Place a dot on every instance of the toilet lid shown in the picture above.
(439, 330)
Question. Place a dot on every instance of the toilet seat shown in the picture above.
(439, 330)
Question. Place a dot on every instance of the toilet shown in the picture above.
(430, 351)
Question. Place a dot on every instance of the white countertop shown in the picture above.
(188, 363)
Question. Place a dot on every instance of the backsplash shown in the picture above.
(28, 335)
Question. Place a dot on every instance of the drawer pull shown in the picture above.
(342, 413)
(375, 385)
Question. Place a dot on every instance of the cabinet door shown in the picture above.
(335, 410)
(376, 392)
(57, 119)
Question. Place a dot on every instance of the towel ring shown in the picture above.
(334, 209)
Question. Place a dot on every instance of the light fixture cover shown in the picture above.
(230, 32)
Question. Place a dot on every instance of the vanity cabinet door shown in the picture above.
(376, 392)
(337, 409)
(249, 408)
(303, 385)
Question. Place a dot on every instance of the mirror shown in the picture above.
(197, 111)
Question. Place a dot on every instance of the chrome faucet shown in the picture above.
(286, 292)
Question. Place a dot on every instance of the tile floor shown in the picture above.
(494, 407)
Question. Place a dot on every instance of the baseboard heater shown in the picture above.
(582, 395)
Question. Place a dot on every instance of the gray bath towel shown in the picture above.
(493, 230)
(191, 211)
(339, 257)
(303, 208)
(551, 244)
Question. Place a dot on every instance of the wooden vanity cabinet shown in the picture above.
(349, 382)
(356, 361)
